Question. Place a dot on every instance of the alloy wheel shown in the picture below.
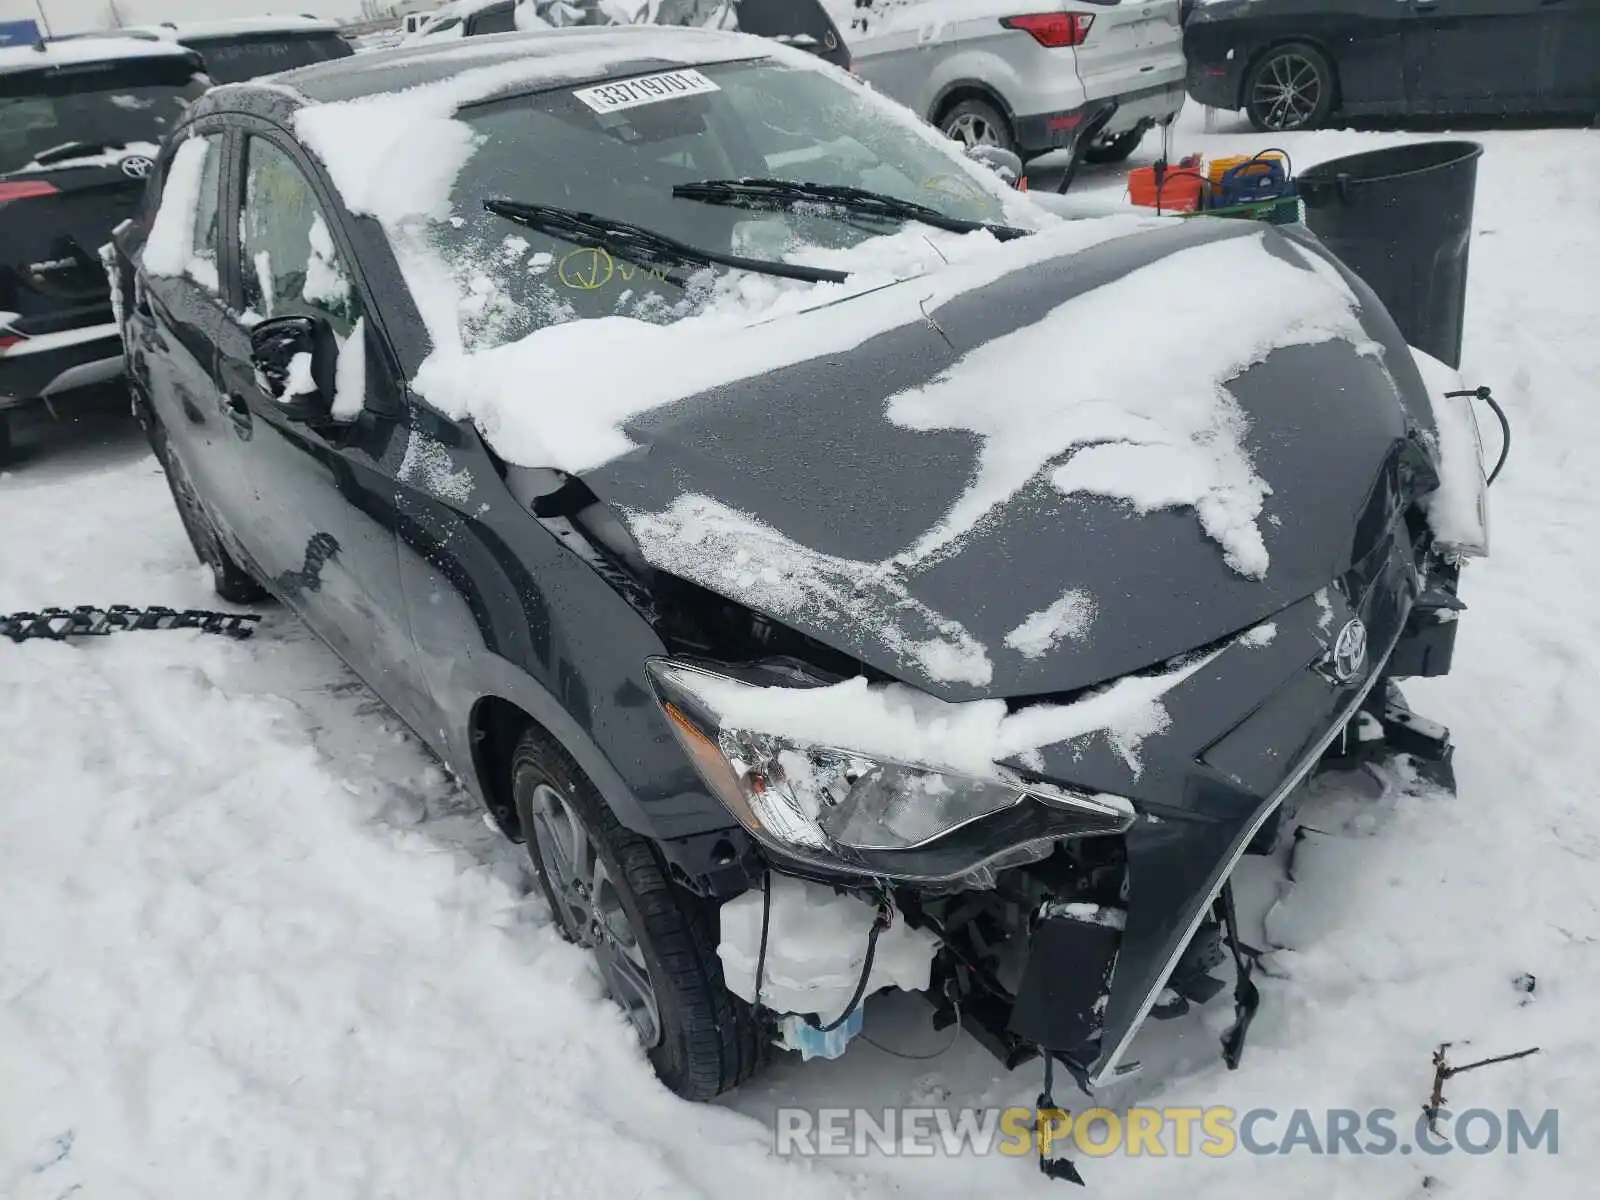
(971, 129)
(1288, 91)
(590, 909)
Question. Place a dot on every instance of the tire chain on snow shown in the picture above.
(58, 624)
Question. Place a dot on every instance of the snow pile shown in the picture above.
(325, 282)
(1260, 635)
(900, 724)
(299, 381)
(1458, 511)
(427, 465)
(1066, 618)
(169, 250)
(742, 558)
(624, 366)
(1142, 406)
(350, 375)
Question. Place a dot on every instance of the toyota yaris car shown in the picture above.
(839, 572)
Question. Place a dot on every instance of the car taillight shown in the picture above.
(1053, 29)
(24, 189)
(8, 340)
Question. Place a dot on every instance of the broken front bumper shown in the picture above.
(1210, 784)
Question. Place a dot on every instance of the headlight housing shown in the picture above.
(841, 809)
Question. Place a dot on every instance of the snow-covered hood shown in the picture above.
(1091, 464)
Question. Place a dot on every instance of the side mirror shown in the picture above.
(294, 359)
(1003, 163)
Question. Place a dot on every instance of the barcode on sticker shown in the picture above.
(645, 89)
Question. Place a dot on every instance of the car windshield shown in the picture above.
(593, 149)
(96, 108)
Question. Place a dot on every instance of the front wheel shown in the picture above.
(653, 942)
(1290, 88)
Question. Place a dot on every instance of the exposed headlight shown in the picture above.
(839, 808)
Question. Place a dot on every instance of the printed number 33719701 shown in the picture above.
(645, 89)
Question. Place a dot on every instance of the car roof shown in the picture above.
(74, 52)
(182, 31)
(550, 56)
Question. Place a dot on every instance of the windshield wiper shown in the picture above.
(643, 246)
(786, 193)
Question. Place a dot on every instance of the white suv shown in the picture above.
(1026, 76)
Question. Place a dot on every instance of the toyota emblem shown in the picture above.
(136, 166)
(1350, 651)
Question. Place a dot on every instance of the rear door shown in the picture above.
(1573, 35)
(76, 147)
(1130, 47)
(179, 316)
(1484, 57)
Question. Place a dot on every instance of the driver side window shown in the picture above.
(288, 260)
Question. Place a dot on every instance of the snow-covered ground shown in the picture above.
(252, 944)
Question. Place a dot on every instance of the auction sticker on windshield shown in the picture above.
(646, 89)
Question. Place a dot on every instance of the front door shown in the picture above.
(1484, 57)
(322, 528)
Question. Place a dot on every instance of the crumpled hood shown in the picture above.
(1089, 465)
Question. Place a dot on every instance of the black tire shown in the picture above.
(5, 438)
(978, 123)
(231, 581)
(1116, 149)
(1289, 87)
(706, 1039)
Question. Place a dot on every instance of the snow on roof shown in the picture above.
(179, 31)
(78, 51)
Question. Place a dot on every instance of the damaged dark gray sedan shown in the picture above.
(842, 573)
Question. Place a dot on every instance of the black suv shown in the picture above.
(80, 125)
(802, 23)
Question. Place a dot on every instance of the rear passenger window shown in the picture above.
(207, 219)
(183, 234)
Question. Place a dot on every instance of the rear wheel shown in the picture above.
(231, 581)
(1290, 87)
(978, 123)
(1114, 149)
(5, 438)
(653, 941)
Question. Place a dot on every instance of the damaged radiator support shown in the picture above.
(58, 624)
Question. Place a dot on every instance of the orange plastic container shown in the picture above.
(1180, 188)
